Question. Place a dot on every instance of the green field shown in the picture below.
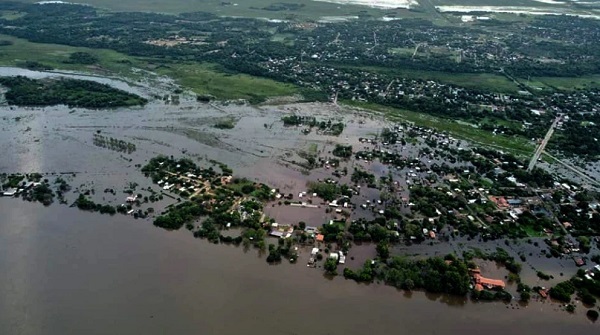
(484, 81)
(515, 145)
(200, 78)
(56, 56)
(207, 79)
(10, 15)
(563, 83)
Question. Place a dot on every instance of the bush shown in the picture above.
(592, 314)
(543, 276)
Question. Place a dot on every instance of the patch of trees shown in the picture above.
(179, 215)
(225, 124)
(41, 193)
(84, 58)
(71, 92)
(34, 66)
(344, 151)
(298, 120)
(86, 204)
(500, 255)
(282, 6)
(113, 144)
(12, 180)
(563, 291)
(437, 275)
(284, 249)
(329, 191)
(375, 230)
(360, 176)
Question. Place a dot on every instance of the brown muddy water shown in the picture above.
(63, 271)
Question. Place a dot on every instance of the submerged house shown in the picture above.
(483, 282)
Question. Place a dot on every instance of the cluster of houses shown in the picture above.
(12, 192)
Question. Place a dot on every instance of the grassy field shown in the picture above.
(207, 79)
(516, 145)
(563, 83)
(485, 81)
(56, 55)
(10, 15)
(200, 78)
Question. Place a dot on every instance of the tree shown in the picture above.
(411, 229)
(383, 250)
(330, 266)
(409, 284)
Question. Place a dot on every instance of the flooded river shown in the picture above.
(64, 271)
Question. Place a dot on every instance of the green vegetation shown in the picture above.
(487, 81)
(81, 57)
(11, 15)
(432, 274)
(303, 9)
(564, 83)
(113, 144)
(328, 191)
(563, 291)
(225, 123)
(13, 180)
(86, 204)
(330, 266)
(71, 92)
(360, 176)
(215, 205)
(22, 53)
(543, 276)
(209, 79)
(324, 127)
(204, 79)
(344, 151)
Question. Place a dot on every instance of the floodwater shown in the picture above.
(64, 271)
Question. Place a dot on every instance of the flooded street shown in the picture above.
(64, 271)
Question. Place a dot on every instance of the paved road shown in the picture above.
(542, 145)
